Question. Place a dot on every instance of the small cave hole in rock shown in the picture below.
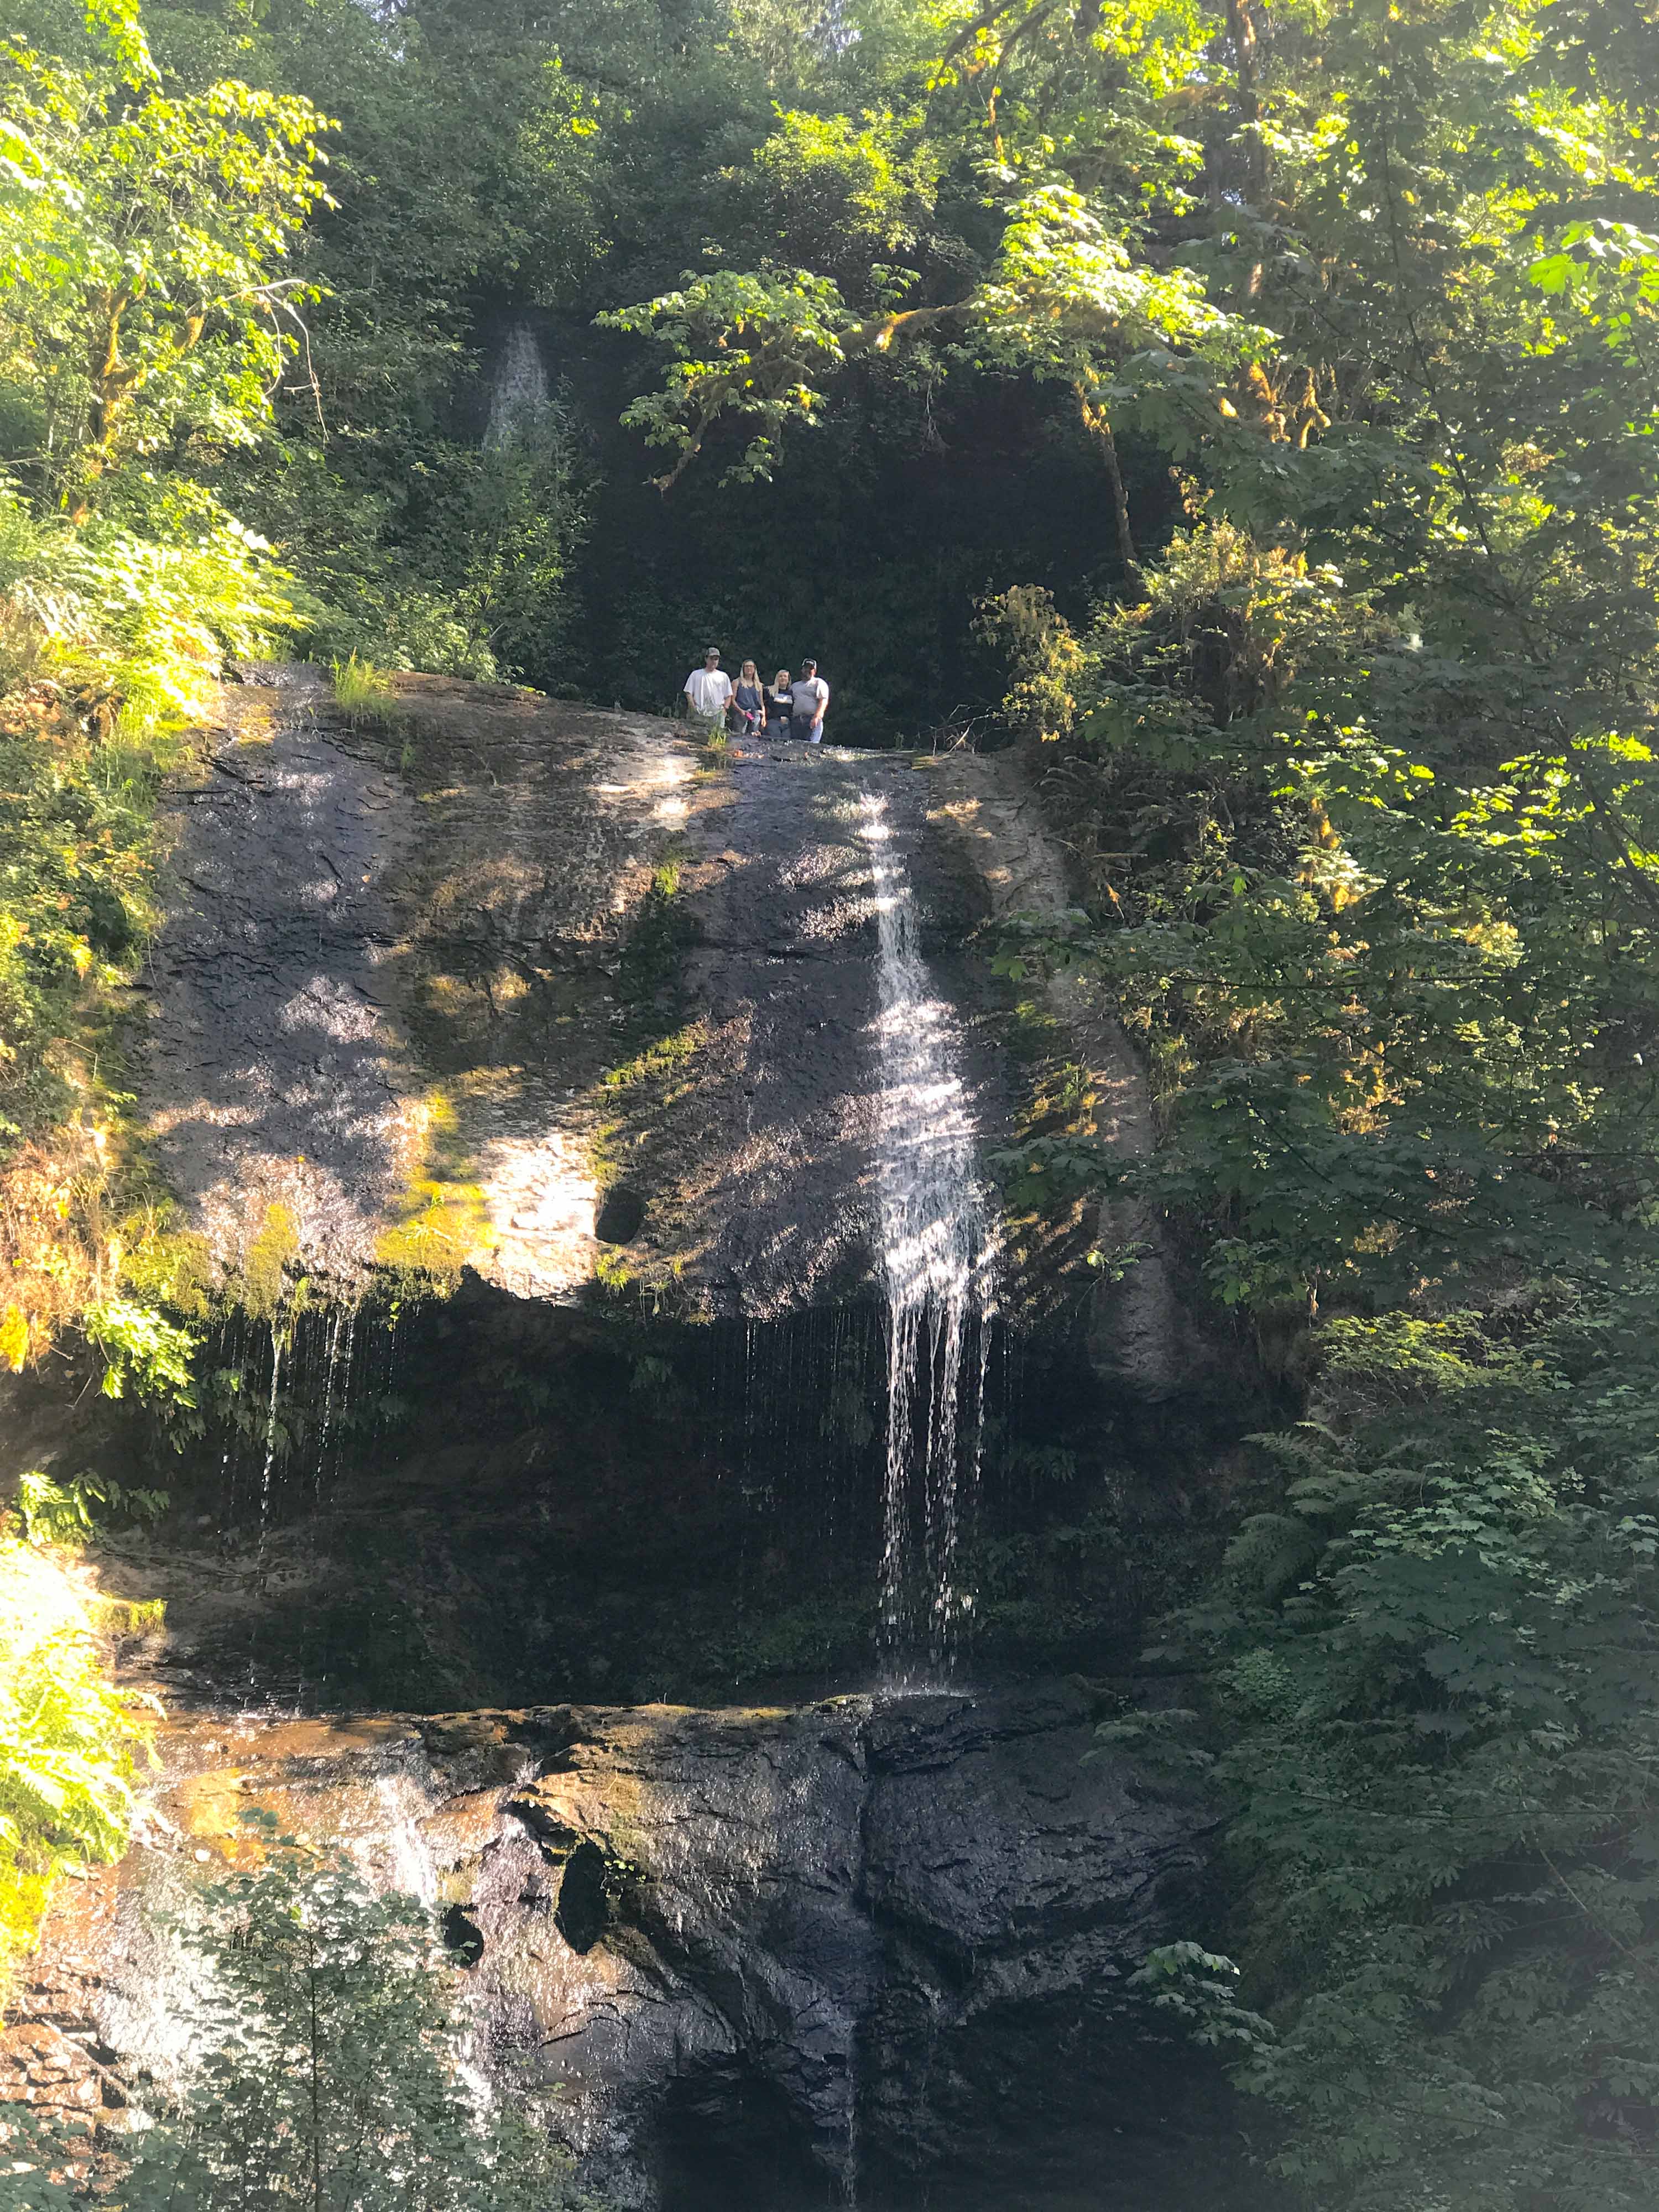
(621, 1216)
(583, 1912)
(462, 1937)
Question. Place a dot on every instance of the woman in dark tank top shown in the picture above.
(750, 700)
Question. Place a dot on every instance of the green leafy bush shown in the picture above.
(1434, 1667)
(459, 567)
(327, 2066)
(69, 1738)
(67, 1513)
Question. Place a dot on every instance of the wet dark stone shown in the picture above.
(756, 1956)
(874, 1921)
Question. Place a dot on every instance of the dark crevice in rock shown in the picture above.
(621, 1217)
(584, 1910)
(462, 1937)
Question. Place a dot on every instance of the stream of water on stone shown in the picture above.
(518, 394)
(937, 1260)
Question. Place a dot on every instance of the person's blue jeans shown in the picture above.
(804, 730)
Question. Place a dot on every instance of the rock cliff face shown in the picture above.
(543, 999)
(505, 983)
(871, 1918)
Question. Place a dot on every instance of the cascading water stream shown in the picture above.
(519, 395)
(937, 1262)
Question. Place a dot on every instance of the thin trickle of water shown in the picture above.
(938, 1264)
(270, 1429)
(150, 2011)
(347, 1372)
(233, 1359)
(400, 1857)
(331, 1365)
(519, 393)
(339, 1346)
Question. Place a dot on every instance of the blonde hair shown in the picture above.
(750, 669)
(782, 677)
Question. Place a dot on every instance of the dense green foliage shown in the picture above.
(1364, 783)
(68, 1736)
(329, 2070)
(143, 248)
(141, 313)
(1436, 1657)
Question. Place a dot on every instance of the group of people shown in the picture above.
(777, 710)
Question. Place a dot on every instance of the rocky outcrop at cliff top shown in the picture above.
(852, 1906)
(508, 982)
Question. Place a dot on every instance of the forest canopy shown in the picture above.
(1251, 410)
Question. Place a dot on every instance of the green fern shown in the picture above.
(68, 1740)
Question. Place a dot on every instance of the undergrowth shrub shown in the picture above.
(70, 1738)
(1433, 1661)
(327, 2041)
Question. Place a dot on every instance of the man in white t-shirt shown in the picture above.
(708, 691)
(807, 700)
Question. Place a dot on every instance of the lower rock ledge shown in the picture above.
(848, 1909)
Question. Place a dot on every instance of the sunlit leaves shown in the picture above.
(68, 1737)
(143, 289)
(327, 2042)
(744, 344)
(142, 1350)
(1065, 298)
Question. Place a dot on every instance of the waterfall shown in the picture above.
(519, 395)
(401, 1856)
(937, 1258)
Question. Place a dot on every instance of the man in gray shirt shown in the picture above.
(807, 700)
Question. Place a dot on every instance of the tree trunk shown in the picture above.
(1241, 26)
(1095, 421)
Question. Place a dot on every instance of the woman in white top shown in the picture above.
(780, 705)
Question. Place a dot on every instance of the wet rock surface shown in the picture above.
(874, 1914)
(274, 1076)
(429, 991)
(990, 811)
